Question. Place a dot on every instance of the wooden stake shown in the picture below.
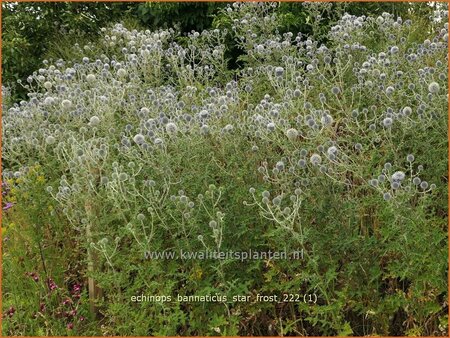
(95, 292)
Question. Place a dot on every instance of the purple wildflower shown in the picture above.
(8, 206)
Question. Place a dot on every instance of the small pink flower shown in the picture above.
(11, 311)
(51, 284)
(33, 275)
(70, 326)
(76, 288)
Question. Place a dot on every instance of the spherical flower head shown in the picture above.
(434, 87)
(287, 210)
(94, 121)
(394, 49)
(407, 111)
(171, 128)
(292, 134)
(49, 100)
(416, 180)
(387, 196)
(271, 126)
(279, 71)
(66, 104)
(265, 194)
(47, 85)
(280, 165)
(387, 122)
(398, 176)
(335, 90)
(332, 150)
(424, 185)
(90, 78)
(204, 129)
(410, 158)
(315, 159)
(277, 200)
(301, 163)
(139, 138)
(50, 140)
(121, 72)
(326, 120)
(252, 190)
